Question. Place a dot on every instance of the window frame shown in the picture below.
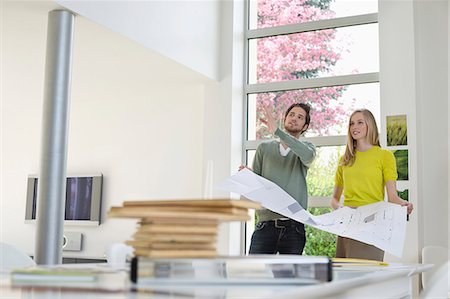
(319, 141)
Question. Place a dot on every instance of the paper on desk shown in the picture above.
(380, 224)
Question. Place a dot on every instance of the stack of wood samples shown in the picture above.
(180, 228)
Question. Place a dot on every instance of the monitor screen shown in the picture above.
(83, 199)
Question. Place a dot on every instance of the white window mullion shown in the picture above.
(313, 26)
(317, 141)
(313, 83)
(319, 202)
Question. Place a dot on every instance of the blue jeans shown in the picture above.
(278, 236)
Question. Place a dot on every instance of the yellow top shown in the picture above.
(364, 181)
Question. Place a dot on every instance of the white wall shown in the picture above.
(431, 23)
(413, 78)
(136, 117)
(224, 115)
(398, 97)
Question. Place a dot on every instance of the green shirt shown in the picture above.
(364, 181)
(288, 172)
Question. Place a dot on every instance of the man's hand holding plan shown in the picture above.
(381, 224)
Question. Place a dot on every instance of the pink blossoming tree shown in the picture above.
(296, 57)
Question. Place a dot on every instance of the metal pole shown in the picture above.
(52, 175)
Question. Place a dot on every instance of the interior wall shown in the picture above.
(135, 116)
(398, 97)
(224, 118)
(431, 23)
(414, 77)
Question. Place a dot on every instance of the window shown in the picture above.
(321, 52)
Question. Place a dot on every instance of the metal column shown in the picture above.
(55, 125)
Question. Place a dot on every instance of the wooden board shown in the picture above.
(232, 203)
(179, 221)
(174, 238)
(142, 212)
(225, 210)
(177, 229)
(170, 246)
(175, 253)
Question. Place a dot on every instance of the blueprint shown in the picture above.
(380, 224)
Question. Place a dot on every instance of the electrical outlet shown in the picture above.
(72, 241)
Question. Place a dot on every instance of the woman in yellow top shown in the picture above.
(362, 174)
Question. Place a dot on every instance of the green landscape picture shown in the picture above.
(396, 130)
(403, 194)
(401, 158)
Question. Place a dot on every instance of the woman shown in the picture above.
(362, 174)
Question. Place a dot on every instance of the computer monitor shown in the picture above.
(83, 200)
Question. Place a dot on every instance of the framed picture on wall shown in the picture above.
(401, 159)
(396, 130)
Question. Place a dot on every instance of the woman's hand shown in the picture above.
(409, 206)
(391, 187)
(335, 200)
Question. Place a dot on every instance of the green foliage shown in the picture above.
(320, 179)
(320, 185)
(320, 182)
(305, 74)
(319, 242)
(401, 158)
(403, 194)
(322, 4)
(396, 131)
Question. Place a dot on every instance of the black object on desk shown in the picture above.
(253, 269)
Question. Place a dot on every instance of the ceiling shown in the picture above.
(185, 31)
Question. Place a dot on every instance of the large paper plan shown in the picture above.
(381, 224)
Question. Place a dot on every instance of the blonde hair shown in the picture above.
(372, 136)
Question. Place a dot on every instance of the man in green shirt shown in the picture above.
(285, 163)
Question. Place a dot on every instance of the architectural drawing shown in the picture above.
(380, 224)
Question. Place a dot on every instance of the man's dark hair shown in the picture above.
(305, 107)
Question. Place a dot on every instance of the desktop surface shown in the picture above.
(392, 281)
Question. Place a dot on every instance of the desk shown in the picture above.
(393, 281)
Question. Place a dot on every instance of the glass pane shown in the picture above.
(270, 13)
(323, 53)
(320, 178)
(250, 157)
(330, 108)
(320, 182)
(319, 242)
(250, 225)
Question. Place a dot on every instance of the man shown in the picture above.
(285, 163)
